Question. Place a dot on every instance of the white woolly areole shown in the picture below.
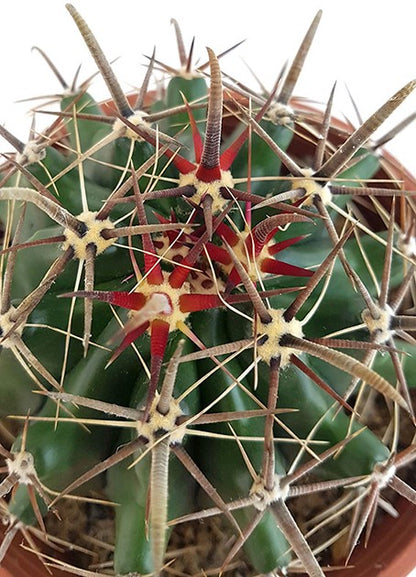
(275, 331)
(382, 475)
(265, 497)
(32, 153)
(22, 466)
(312, 188)
(186, 74)
(93, 235)
(280, 114)
(157, 424)
(7, 324)
(379, 325)
(162, 303)
(137, 118)
(158, 305)
(212, 188)
(407, 245)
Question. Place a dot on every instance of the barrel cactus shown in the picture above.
(206, 296)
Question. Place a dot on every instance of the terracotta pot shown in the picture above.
(391, 551)
(19, 562)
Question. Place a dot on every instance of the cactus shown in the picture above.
(159, 354)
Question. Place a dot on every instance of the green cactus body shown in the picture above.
(197, 368)
(130, 487)
(222, 458)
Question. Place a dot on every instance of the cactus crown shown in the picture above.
(162, 355)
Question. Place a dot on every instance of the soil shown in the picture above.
(202, 543)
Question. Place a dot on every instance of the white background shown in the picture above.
(367, 45)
